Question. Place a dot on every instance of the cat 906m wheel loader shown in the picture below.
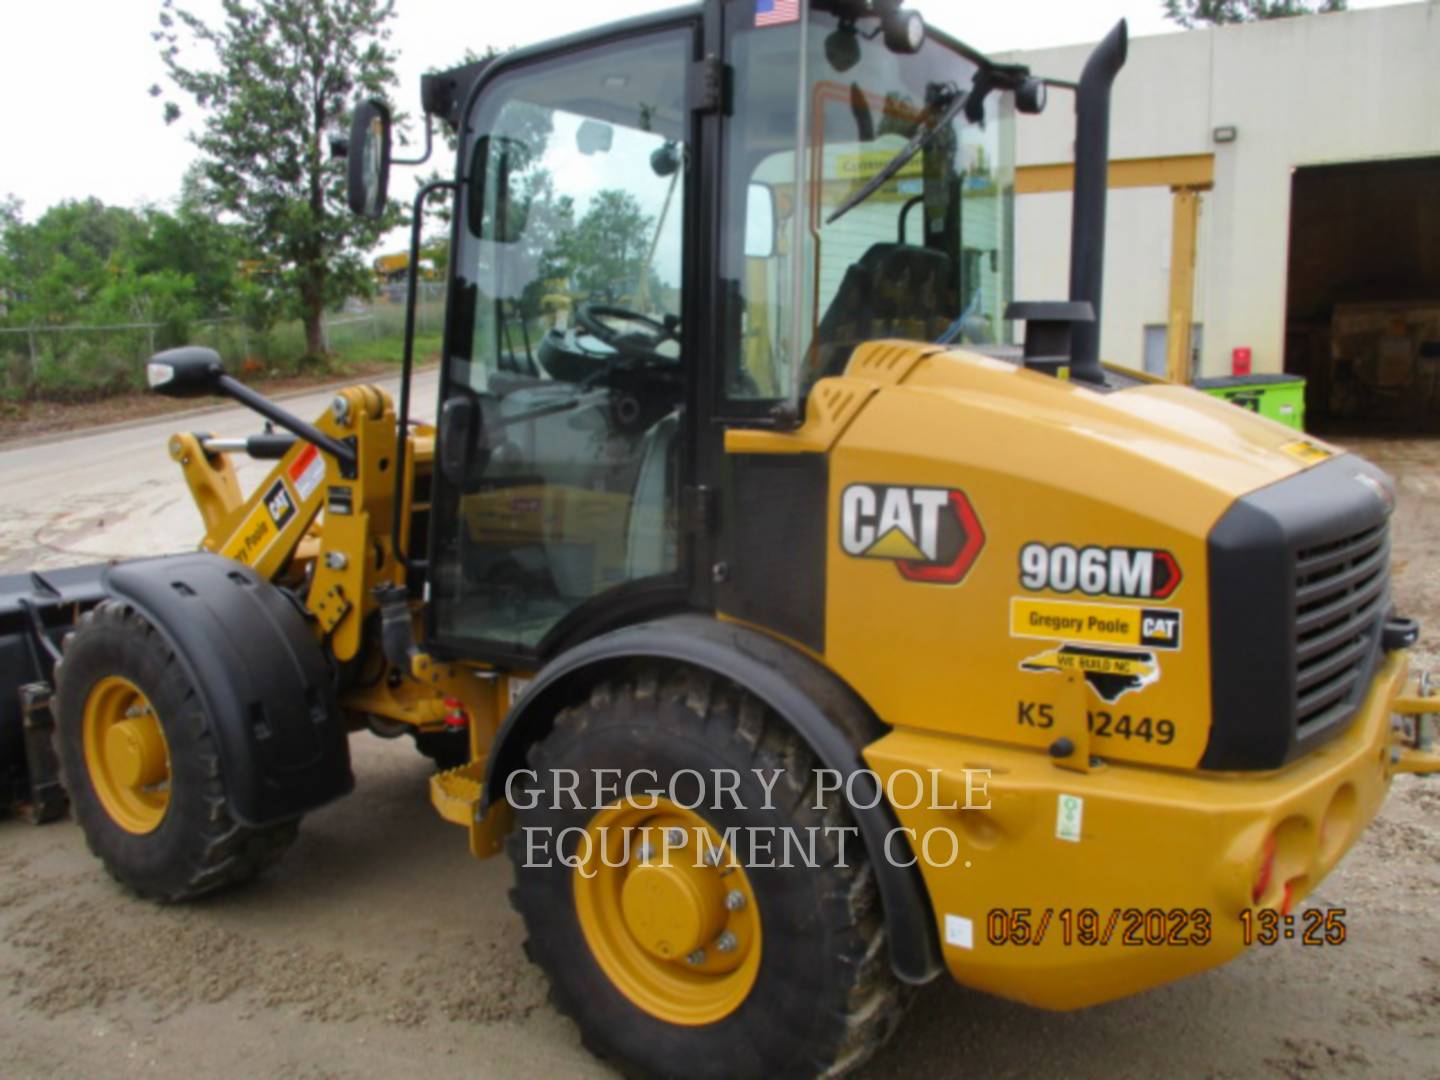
(799, 636)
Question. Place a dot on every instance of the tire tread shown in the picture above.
(229, 853)
(870, 1007)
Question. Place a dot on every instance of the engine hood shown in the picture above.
(1192, 454)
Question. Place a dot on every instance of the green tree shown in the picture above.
(193, 244)
(1193, 13)
(607, 250)
(10, 213)
(57, 267)
(275, 79)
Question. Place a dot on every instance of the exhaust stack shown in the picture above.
(1092, 165)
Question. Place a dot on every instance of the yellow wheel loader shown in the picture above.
(798, 635)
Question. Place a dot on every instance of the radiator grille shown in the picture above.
(1340, 588)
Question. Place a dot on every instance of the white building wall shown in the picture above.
(1362, 85)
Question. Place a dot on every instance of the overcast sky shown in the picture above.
(79, 121)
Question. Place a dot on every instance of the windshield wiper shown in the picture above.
(919, 141)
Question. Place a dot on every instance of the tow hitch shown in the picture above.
(1412, 749)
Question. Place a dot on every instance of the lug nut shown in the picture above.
(336, 560)
(675, 837)
(726, 942)
(643, 853)
(734, 900)
(696, 958)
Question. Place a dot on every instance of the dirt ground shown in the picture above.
(378, 945)
(30, 419)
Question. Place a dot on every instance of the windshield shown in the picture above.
(926, 255)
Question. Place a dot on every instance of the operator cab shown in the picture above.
(670, 228)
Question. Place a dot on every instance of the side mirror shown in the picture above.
(186, 372)
(457, 438)
(368, 159)
(504, 218)
(460, 448)
(760, 222)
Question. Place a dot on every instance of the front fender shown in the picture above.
(821, 709)
(260, 675)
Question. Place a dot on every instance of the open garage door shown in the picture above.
(1363, 321)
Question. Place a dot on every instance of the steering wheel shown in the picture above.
(639, 344)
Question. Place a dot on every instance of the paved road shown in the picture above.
(116, 493)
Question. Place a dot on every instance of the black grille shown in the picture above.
(1299, 591)
(1340, 588)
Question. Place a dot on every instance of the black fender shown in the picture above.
(261, 677)
(834, 722)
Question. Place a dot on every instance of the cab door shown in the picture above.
(569, 359)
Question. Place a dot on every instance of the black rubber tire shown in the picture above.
(198, 847)
(824, 998)
(447, 749)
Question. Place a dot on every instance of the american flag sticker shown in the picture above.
(776, 12)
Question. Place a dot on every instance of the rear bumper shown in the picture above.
(1186, 845)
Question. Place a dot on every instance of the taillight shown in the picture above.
(1267, 868)
(1288, 898)
(455, 715)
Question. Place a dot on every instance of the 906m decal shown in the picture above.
(933, 535)
(1128, 573)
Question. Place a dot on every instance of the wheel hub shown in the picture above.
(135, 750)
(126, 756)
(668, 915)
(673, 908)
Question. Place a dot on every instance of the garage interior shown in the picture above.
(1363, 303)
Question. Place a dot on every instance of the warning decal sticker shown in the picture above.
(307, 472)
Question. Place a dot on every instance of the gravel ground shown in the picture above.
(378, 946)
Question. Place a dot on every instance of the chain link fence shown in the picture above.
(79, 361)
(383, 316)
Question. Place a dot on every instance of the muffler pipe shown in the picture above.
(1092, 175)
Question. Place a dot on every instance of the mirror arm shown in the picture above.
(412, 283)
(238, 391)
(429, 146)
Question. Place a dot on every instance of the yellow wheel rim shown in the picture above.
(667, 912)
(126, 754)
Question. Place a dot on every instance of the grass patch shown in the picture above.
(386, 350)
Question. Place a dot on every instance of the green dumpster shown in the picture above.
(1279, 397)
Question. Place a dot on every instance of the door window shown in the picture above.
(570, 263)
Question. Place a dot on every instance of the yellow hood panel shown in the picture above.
(1207, 449)
(1035, 462)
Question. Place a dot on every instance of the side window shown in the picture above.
(764, 360)
(573, 247)
(862, 250)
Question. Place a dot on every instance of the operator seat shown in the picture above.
(895, 290)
